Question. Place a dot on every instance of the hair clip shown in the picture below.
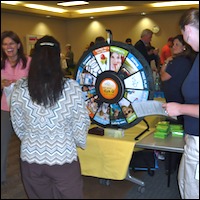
(47, 44)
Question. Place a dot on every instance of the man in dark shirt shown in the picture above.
(141, 45)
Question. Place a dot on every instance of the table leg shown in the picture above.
(169, 169)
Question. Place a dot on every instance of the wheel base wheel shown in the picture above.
(141, 189)
(104, 181)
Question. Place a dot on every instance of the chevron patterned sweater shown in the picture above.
(50, 135)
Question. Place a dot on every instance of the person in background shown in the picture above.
(154, 56)
(14, 65)
(31, 52)
(49, 116)
(128, 41)
(188, 175)
(69, 58)
(99, 39)
(63, 63)
(166, 51)
(141, 45)
(173, 74)
(89, 46)
(154, 63)
(155, 67)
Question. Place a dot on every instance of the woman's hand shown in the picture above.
(175, 109)
(168, 60)
(6, 83)
(172, 109)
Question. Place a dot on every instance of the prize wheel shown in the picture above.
(113, 76)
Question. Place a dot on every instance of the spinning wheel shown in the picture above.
(114, 75)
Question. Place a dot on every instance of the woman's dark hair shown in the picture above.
(45, 78)
(128, 40)
(20, 53)
(99, 39)
(188, 51)
(191, 16)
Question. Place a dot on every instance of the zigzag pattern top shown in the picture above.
(50, 135)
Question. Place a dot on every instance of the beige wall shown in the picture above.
(80, 32)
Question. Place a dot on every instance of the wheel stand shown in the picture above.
(129, 177)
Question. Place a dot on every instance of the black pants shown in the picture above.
(175, 157)
(174, 162)
(52, 182)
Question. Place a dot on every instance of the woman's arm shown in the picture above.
(176, 109)
(163, 74)
(80, 117)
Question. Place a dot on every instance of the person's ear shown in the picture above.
(187, 33)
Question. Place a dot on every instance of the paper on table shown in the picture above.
(150, 107)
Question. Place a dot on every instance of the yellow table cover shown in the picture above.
(108, 157)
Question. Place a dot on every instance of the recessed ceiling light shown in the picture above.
(102, 9)
(143, 13)
(11, 2)
(73, 3)
(46, 8)
(174, 3)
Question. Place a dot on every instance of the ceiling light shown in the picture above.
(174, 3)
(11, 2)
(103, 9)
(46, 8)
(72, 3)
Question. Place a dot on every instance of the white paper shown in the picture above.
(150, 107)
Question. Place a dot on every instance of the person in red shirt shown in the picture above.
(166, 50)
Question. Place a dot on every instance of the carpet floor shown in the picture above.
(155, 186)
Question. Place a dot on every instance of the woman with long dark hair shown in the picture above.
(50, 117)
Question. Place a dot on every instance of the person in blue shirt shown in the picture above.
(188, 176)
(172, 80)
